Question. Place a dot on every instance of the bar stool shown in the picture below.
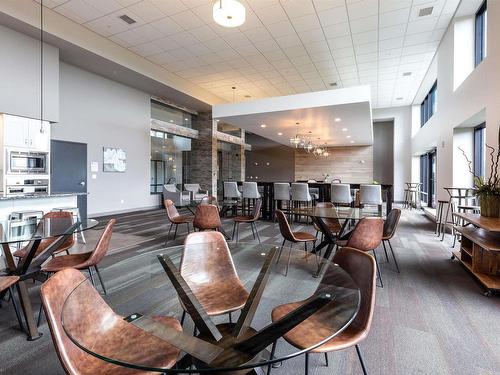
(300, 195)
(282, 194)
(439, 216)
(371, 195)
(75, 211)
(456, 194)
(412, 195)
(232, 193)
(341, 195)
(250, 193)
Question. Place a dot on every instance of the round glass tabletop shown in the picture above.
(238, 302)
(13, 231)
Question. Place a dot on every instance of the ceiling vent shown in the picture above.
(425, 11)
(400, 98)
(406, 74)
(127, 19)
(333, 84)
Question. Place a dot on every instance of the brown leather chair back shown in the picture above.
(256, 209)
(391, 223)
(367, 235)
(171, 209)
(362, 268)
(206, 258)
(102, 245)
(206, 217)
(88, 314)
(209, 199)
(64, 221)
(285, 229)
(324, 205)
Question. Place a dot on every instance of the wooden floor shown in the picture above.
(430, 319)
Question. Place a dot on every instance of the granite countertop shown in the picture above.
(52, 195)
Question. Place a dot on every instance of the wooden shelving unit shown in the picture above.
(480, 254)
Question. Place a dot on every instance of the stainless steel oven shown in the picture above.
(17, 186)
(25, 162)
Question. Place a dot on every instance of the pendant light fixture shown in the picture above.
(296, 140)
(229, 13)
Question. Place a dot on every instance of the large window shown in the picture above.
(428, 106)
(168, 160)
(480, 34)
(428, 178)
(479, 150)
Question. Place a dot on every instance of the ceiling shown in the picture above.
(335, 117)
(284, 47)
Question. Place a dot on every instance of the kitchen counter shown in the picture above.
(48, 196)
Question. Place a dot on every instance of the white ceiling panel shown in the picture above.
(284, 47)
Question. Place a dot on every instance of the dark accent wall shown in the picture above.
(383, 152)
(281, 160)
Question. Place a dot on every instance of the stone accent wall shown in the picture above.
(350, 164)
(202, 165)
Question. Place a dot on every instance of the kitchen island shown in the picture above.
(36, 203)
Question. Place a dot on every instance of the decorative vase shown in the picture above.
(490, 205)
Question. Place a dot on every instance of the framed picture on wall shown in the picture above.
(114, 159)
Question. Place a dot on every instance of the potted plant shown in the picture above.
(488, 191)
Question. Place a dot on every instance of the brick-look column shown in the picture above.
(203, 158)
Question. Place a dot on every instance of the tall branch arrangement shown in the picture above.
(492, 185)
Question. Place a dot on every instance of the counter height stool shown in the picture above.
(300, 196)
(341, 194)
(76, 214)
(371, 195)
(456, 195)
(250, 194)
(282, 194)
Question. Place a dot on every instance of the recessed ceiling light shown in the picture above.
(400, 98)
(344, 129)
(127, 19)
(263, 125)
(425, 11)
(406, 74)
(186, 119)
(337, 119)
(352, 141)
(348, 136)
(280, 133)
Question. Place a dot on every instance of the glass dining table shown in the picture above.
(29, 233)
(149, 285)
(346, 217)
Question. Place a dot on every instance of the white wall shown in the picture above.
(402, 144)
(463, 138)
(101, 112)
(479, 91)
(20, 76)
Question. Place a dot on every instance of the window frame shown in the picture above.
(480, 31)
(478, 161)
(428, 106)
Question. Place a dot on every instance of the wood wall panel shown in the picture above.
(350, 164)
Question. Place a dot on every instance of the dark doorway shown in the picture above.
(68, 171)
(428, 178)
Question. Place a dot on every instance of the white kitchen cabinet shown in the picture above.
(20, 132)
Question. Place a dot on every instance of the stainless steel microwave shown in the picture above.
(25, 162)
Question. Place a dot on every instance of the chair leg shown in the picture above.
(183, 317)
(16, 308)
(326, 359)
(281, 250)
(307, 364)
(169, 229)
(273, 349)
(445, 220)
(91, 276)
(288, 262)
(393, 255)
(237, 232)
(361, 360)
(385, 251)
(100, 279)
(253, 232)
(234, 230)
(175, 232)
(378, 269)
(40, 310)
(230, 318)
(256, 231)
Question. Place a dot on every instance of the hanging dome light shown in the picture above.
(229, 13)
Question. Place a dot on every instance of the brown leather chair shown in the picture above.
(361, 267)
(206, 217)
(332, 224)
(292, 237)
(84, 261)
(367, 236)
(210, 273)
(7, 283)
(251, 219)
(390, 226)
(210, 199)
(94, 312)
(175, 218)
(65, 221)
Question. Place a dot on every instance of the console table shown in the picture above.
(480, 249)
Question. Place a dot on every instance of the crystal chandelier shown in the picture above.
(229, 13)
(296, 140)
